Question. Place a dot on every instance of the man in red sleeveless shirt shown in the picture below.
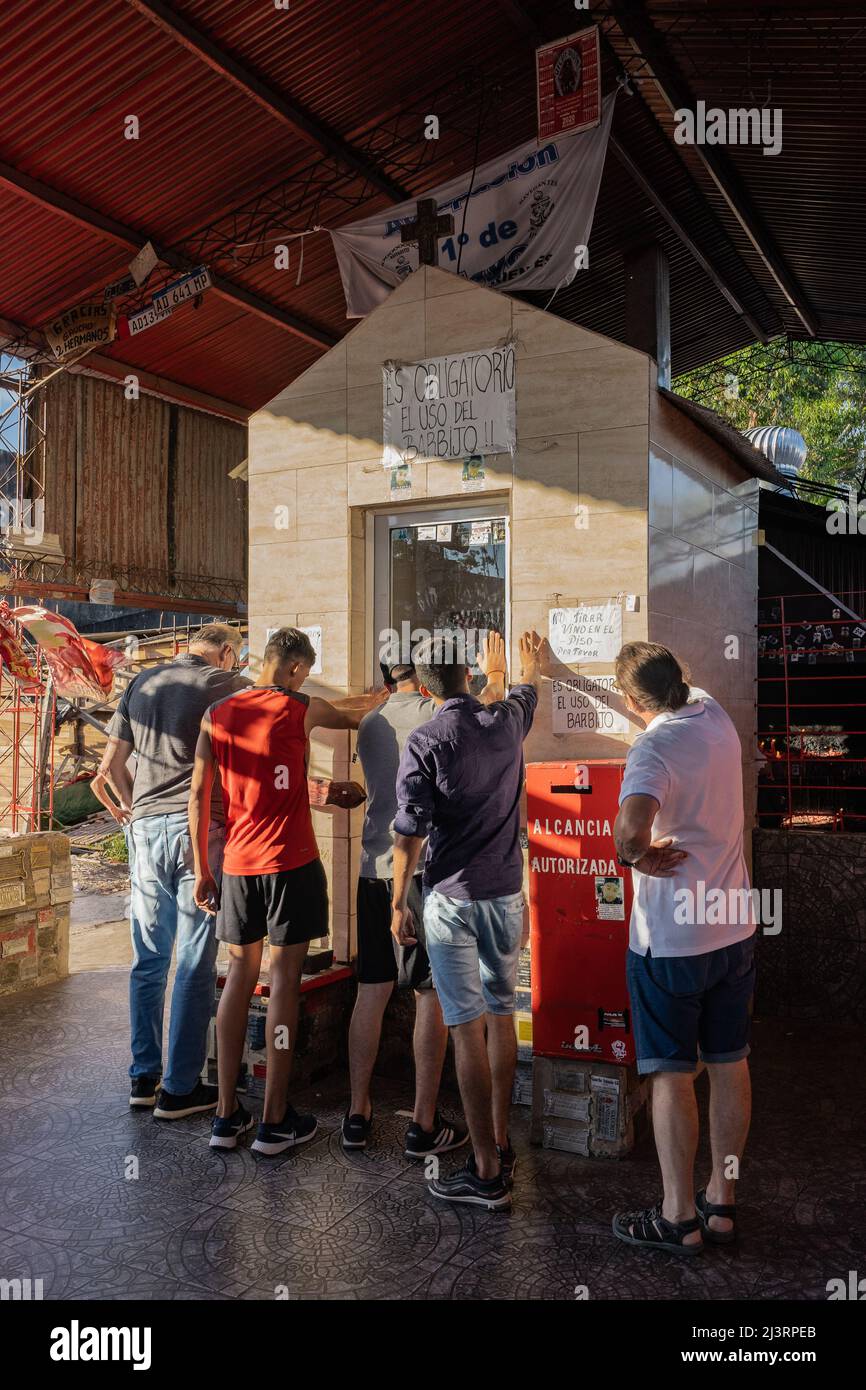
(273, 880)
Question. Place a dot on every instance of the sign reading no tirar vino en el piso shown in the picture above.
(449, 407)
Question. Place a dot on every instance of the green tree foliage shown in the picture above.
(818, 388)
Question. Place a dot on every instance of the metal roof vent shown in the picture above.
(783, 446)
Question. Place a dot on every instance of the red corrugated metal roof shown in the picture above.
(71, 74)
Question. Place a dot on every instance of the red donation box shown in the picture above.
(580, 904)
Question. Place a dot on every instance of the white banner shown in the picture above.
(529, 212)
(449, 407)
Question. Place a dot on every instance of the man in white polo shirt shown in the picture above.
(691, 970)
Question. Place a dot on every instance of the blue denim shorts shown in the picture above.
(473, 949)
(689, 1007)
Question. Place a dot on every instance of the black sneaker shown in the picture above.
(225, 1133)
(355, 1131)
(508, 1160)
(466, 1186)
(199, 1099)
(445, 1135)
(292, 1130)
(142, 1092)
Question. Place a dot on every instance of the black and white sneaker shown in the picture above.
(445, 1135)
(292, 1130)
(355, 1131)
(466, 1186)
(199, 1099)
(225, 1133)
(142, 1092)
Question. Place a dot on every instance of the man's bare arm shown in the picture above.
(492, 665)
(205, 891)
(407, 852)
(114, 774)
(632, 833)
(340, 714)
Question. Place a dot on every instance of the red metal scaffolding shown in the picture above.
(812, 720)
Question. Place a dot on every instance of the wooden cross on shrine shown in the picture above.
(426, 230)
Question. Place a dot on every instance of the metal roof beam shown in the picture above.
(691, 246)
(13, 335)
(636, 26)
(129, 238)
(524, 21)
(315, 132)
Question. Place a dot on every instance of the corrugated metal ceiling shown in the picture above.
(71, 74)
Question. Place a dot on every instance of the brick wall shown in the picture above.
(35, 892)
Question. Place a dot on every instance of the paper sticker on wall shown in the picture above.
(473, 474)
(480, 533)
(401, 482)
(443, 533)
(610, 899)
(426, 533)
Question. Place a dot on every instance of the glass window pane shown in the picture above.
(449, 580)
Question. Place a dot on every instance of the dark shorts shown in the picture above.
(288, 907)
(686, 1007)
(380, 959)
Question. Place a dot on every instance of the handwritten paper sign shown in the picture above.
(591, 632)
(449, 407)
(81, 329)
(582, 705)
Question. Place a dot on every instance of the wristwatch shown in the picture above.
(626, 863)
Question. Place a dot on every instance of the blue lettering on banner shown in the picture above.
(538, 159)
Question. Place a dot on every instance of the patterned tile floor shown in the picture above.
(197, 1224)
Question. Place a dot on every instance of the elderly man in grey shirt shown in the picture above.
(381, 963)
(158, 719)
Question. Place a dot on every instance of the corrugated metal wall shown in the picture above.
(142, 485)
(210, 509)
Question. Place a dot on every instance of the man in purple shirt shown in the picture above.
(460, 782)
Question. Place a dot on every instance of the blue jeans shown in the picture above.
(473, 949)
(162, 908)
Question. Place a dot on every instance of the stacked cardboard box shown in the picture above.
(251, 1077)
(521, 1091)
(35, 892)
(590, 1108)
(323, 1020)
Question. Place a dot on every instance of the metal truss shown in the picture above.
(22, 458)
(26, 746)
